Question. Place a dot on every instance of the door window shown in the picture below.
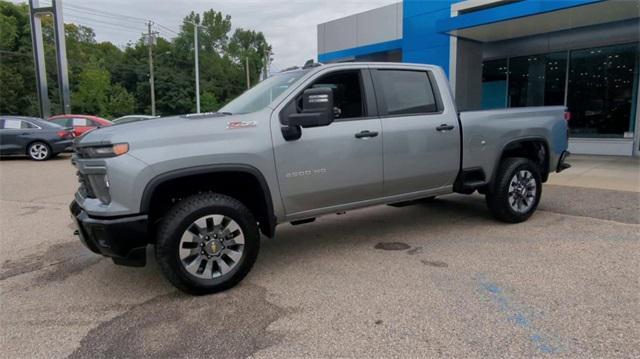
(64, 122)
(347, 93)
(406, 92)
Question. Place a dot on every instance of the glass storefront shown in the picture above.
(601, 91)
(494, 84)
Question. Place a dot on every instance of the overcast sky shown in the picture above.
(289, 25)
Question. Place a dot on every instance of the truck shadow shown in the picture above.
(424, 222)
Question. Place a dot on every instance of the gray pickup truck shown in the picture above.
(303, 143)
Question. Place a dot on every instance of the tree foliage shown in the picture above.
(109, 81)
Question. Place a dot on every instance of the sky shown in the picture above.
(290, 26)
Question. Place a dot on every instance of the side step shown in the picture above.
(303, 221)
(412, 202)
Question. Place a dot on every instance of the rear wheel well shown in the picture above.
(535, 150)
(243, 186)
(26, 149)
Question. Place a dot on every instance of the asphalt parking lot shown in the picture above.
(428, 280)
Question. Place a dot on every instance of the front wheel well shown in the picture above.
(243, 186)
(535, 150)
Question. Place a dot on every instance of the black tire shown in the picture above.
(497, 196)
(39, 151)
(176, 222)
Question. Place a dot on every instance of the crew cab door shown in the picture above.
(334, 165)
(421, 138)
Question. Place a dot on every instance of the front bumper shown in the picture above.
(562, 164)
(123, 239)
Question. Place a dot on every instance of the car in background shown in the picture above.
(34, 137)
(132, 118)
(80, 123)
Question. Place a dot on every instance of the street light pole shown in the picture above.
(195, 42)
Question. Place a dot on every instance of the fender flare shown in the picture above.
(518, 140)
(267, 228)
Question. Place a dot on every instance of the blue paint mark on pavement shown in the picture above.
(515, 315)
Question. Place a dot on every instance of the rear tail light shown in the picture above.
(567, 115)
(65, 134)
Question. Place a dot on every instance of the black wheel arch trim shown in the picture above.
(268, 229)
(519, 140)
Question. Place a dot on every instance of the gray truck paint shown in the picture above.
(327, 169)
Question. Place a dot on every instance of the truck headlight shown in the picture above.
(106, 151)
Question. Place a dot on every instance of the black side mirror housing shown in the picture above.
(317, 109)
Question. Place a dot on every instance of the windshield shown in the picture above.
(262, 94)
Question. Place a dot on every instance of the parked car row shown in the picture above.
(43, 139)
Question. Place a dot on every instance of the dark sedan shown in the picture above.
(33, 137)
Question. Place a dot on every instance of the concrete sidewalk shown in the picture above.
(604, 172)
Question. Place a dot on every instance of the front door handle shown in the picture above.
(366, 134)
(444, 127)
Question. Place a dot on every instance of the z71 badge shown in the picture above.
(241, 124)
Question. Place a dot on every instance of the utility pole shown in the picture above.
(248, 79)
(196, 48)
(150, 37)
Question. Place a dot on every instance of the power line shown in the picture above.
(103, 13)
(121, 26)
(116, 16)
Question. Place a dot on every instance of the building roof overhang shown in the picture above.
(533, 17)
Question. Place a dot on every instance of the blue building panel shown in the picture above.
(506, 12)
(422, 42)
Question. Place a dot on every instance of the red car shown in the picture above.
(80, 123)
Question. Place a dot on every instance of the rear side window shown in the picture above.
(405, 92)
(80, 122)
(12, 124)
(26, 124)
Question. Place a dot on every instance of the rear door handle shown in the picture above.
(445, 127)
(366, 134)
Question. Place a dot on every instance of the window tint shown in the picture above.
(406, 92)
(65, 122)
(347, 93)
(26, 124)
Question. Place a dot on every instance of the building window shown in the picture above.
(494, 84)
(537, 80)
(601, 93)
(602, 89)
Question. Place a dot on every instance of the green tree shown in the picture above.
(252, 45)
(121, 102)
(106, 80)
(92, 94)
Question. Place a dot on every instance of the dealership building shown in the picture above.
(583, 54)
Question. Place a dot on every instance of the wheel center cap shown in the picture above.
(213, 247)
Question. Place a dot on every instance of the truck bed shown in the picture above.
(486, 133)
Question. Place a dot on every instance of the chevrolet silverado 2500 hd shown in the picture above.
(303, 143)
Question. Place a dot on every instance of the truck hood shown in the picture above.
(164, 129)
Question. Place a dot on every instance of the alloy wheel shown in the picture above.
(522, 191)
(211, 246)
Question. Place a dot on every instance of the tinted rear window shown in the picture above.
(406, 92)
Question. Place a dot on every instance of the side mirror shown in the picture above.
(317, 109)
